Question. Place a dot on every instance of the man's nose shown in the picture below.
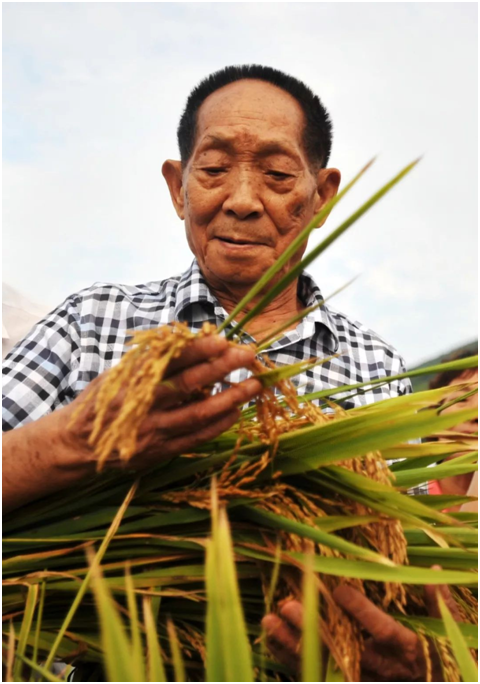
(243, 200)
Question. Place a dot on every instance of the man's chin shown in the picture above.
(235, 270)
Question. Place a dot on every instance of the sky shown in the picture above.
(92, 94)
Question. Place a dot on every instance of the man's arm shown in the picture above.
(50, 454)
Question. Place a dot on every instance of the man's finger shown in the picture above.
(383, 628)
(185, 444)
(292, 612)
(196, 415)
(282, 641)
(200, 349)
(182, 385)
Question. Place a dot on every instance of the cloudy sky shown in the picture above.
(92, 95)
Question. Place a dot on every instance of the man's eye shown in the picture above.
(278, 175)
(214, 170)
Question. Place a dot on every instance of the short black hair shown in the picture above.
(317, 135)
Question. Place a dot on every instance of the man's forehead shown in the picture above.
(263, 144)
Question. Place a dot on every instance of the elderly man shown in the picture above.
(254, 147)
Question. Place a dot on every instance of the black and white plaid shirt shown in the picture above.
(87, 334)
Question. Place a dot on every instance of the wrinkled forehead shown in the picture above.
(248, 111)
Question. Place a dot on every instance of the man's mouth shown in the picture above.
(237, 241)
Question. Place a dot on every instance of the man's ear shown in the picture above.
(172, 172)
(328, 182)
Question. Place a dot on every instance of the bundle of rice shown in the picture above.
(153, 583)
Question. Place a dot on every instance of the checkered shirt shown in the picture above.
(87, 334)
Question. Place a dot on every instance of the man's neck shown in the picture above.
(277, 313)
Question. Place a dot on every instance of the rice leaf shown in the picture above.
(346, 439)
(30, 604)
(272, 377)
(41, 604)
(466, 535)
(311, 643)
(460, 364)
(332, 523)
(10, 653)
(225, 619)
(463, 559)
(137, 657)
(115, 643)
(424, 454)
(442, 501)
(436, 628)
(94, 565)
(404, 480)
(155, 669)
(375, 572)
(279, 522)
(178, 664)
(42, 670)
(465, 662)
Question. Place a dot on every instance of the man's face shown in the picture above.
(248, 188)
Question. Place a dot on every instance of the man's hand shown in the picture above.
(392, 652)
(181, 418)
(56, 454)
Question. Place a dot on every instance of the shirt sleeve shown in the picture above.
(37, 371)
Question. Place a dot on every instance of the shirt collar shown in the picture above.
(192, 288)
(310, 294)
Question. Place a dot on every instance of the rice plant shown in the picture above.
(166, 575)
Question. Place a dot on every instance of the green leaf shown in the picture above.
(447, 558)
(155, 669)
(95, 564)
(465, 535)
(436, 628)
(178, 665)
(137, 658)
(10, 659)
(115, 643)
(225, 619)
(375, 572)
(419, 475)
(342, 439)
(460, 364)
(41, 604)
(274, 376)
(42, 670)
(30, 604)
(311, 644)
(332, 523)
(441, 501)
(279, 522)
(465, 662)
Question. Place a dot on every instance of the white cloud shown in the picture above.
(92, 95)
